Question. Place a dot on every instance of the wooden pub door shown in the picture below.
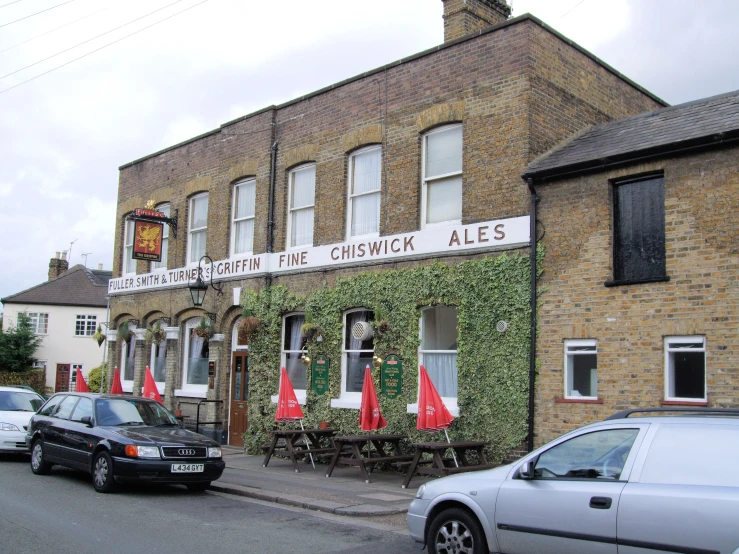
(238, 420)
(62, 378)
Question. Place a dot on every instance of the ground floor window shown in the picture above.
(438, 351)
(196, 353)
(358, 349)
(128, 363)
(685, 368)
(293, 342)
(581, 369)
(158, 361)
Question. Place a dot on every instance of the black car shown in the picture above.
(118, 438)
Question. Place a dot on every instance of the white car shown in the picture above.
(17, 405)
(627, 485)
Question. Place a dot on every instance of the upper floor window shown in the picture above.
(129, 263)
(85, 325)
(301, 203)
(197, 228)
(242, 222)
(166, 210)
(365, 177)
(39, 322)
(581, 369)
(441, 195)
(639, 231)
(685, 368)
(438, 350)
(293, 342)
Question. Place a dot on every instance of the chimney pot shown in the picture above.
(463, 17)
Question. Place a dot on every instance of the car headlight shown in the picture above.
(214, 452)
(142, 451)
(420, 491)
(8, 427)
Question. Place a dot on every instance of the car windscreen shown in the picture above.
(115, 411)
(18, 401)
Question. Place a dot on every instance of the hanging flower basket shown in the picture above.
(248, 326)
(204, 329)
(124, 333)
(99, 336)
(310, 332)
(381, 329)
(156, 334)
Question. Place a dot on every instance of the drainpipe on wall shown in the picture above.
(532, 340)
(271, 218)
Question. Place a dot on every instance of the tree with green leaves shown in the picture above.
(18, 345)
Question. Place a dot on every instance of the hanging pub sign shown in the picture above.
(391, 376)
(147, 241)
(320, 374)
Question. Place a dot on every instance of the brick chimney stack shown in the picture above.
(462, 17)
(58, 265)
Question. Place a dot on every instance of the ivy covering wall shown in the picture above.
(493, 366)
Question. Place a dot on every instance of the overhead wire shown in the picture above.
(52, 30)
(42, 11)
(9, 3)
(571, 9)
(104, 46)
(90, 39)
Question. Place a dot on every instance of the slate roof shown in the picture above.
(77, 286)
(696, 124)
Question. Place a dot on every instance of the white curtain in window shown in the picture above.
(304, 187)
(130, 359)
(444, 200)
(199, 215)
(444, 152)
(356, 362)
(160, 362)
(197, 245)
(301, 227)
(197, 373)
(366, 214)
(244, 236)
(243, 231)
(296, 370)
(130, 263)
(442, 369)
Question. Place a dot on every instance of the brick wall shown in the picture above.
(630, 321)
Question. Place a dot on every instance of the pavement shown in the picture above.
(344, 493)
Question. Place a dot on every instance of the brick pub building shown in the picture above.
(386, 211)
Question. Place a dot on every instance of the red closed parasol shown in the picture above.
(433, 414)
(116, 387)
(370, 417)
(288, 408)
(150, 387)
(81, 384)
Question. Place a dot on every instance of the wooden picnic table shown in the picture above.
(356, 450)
(299, 443)
(442, 464)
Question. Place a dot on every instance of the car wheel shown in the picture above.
(39, 465)
(456, 531)
(197, 487)
(102, 473)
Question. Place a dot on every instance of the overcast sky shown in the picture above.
(74, 106)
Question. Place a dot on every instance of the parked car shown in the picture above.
(120, 438)
(17, 405)
(627, 485)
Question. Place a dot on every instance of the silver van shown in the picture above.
(628, 485)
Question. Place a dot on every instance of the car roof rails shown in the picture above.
(682, 409)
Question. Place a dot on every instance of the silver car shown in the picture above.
(627, 485)
(17, 405)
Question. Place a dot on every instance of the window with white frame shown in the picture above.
(365, 178)
(438, 350)
(39, 321)
(581, 369)
(129, 263)
(197, 230)
(685, 368)
(242, 220)
(128, 363)
(162, 264)
(39, 364)
(293, 342)
(301, 203)
(441, 195)
(196, 353)
(85, 325)
(158, 362)
(357, 350)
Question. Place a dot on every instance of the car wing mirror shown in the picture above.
(86, 420)
(526, 470)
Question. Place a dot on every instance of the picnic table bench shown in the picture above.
(299, 443)
(356, 450)
(441, 464)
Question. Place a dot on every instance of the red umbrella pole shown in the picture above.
(456, 463)
(307, 445)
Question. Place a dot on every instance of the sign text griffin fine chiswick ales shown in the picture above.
(486, 235)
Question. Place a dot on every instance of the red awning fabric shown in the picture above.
(288, 408)
(150, 387)
(370, 417)
(433, 415)
(81, 383)
(116, 387)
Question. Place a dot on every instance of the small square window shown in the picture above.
(85, 325)
(581, 369)
(685, 368)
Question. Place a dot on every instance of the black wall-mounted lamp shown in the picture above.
(200, 287)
